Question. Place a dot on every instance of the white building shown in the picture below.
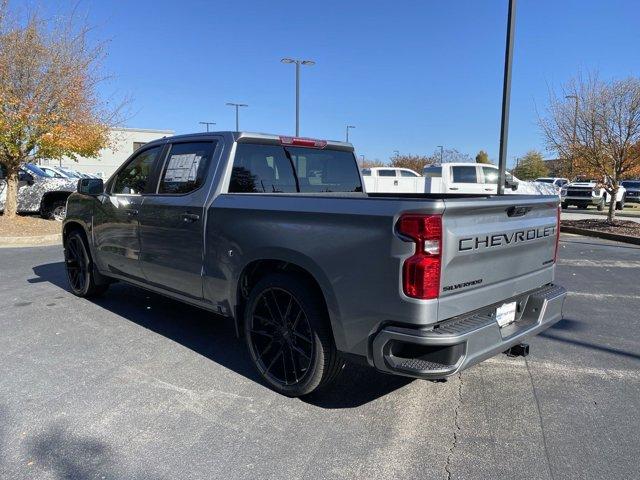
(124, 141)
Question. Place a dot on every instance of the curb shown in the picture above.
(604, 235)
(36, 241)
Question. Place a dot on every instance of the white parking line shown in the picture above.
(561, 369)
(603, 295)
(580, 262)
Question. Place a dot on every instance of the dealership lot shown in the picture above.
(134, 385)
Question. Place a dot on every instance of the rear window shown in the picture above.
(278, 169)
(464, 174)
(631, 184)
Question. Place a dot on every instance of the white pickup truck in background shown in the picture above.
(392, 179)
(474, 178)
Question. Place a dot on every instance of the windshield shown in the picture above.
(36, 170)
(545, 180)
(628, 184)
(71, 173)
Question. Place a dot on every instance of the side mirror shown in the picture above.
(26, 177)
(510, 183)
(91, 186)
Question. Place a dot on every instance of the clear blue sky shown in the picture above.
(410, 75)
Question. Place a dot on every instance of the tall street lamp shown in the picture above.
(237, 105)
(575, 131)
(207, 124)
(349, 127)
(441, 152)
(298, 63)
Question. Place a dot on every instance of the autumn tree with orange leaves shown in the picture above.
(49, 106)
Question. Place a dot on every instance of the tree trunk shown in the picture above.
(11, 203)
(611, 216)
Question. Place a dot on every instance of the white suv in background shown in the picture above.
(558, 182)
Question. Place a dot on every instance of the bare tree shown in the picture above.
(596, 125)
(49, 105)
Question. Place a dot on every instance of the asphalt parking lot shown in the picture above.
(135, 386)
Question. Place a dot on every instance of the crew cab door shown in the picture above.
(115, 220)
(172, 218)
(465, 179)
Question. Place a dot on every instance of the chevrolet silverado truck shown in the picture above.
(277, 234)
(583, 192)
(38, 192)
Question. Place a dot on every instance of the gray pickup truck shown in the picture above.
(277, 234)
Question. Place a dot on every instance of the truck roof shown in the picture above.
(256, 137)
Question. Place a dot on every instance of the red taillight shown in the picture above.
(555, 254)
(421, 272)
(303, 142)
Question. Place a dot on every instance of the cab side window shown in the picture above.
(386, 173)
(464, 174)
(186, 167)
(490, 175)
(134, 178)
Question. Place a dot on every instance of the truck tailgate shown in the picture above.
(495, 248)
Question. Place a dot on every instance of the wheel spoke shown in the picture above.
(293, 362)
(302, 337)
(273, 360)
(300, 352)
(284, 367)
(266, 320)
(275, 300)
(264, 333)
(287, 311)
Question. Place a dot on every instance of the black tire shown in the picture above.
(620, 204)
(79, 267)
(565, 205)
(601, 205)
(288, 335)
(56, 210)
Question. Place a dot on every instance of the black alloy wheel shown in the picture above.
(77, 264)
(288, 335)
(79, 268)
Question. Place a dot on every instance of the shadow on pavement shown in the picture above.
(214, 337)
(593, 346)
(68, 456)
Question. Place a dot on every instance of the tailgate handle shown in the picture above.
(517, 211)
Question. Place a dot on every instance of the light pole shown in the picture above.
(237, 105)
(362, 157)
(506, 96)
(575, 131)
(298, 63)
(207, 124)
(441, 152)
(347, 131)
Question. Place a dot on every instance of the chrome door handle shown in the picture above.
(395, 182)
(190, 217)
(453, 188)
(488, 189)
(132, 212)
